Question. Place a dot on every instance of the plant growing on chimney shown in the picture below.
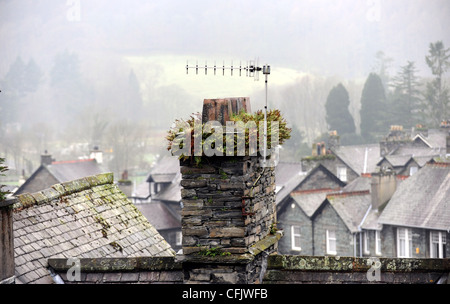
(193, 125)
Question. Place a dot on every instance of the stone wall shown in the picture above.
(281, 269)
(228, 203)
(143, 270)
(339, 270)
(228, 208)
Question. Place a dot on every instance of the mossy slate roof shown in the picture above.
(85, 218)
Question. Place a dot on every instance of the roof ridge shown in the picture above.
(72, 161)
(350, 193)
(56, 191)
(308, 191)
(438, 164)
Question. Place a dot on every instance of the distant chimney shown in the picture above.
(333, 140)
(383, 186)
(6, 242)
(46, 159)
(97, 155)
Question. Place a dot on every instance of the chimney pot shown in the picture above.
(221, 109)
(46, 159)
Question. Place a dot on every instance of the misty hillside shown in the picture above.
(112, 73)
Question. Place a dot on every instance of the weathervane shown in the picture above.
(251, 69)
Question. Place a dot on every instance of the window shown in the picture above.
(342, 173)
(377, 243)
(412, 170)
(295, 238)
(404, 242)
(438, 242)
(331, 242)
(366, 242)
(178, 238)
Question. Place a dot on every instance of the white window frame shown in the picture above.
(294, 245)
(442, 239)
(328, 243)
(413, 170)
(407, 238)
(178, 238)
(342, 173)
(377, 242)
(366, 242)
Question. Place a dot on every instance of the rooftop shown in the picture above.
(422, 200)
(85, 218)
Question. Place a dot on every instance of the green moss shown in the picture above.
(213, 251)
(116, 246)
(320, 157)
(105, 225)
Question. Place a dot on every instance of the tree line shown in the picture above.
(403, 100)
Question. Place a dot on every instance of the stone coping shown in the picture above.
(58, 191)
(355, 264)
(133, 264)
(130, 264)
(8, 202)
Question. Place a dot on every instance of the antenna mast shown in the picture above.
(251, 69)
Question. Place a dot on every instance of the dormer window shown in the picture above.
(342, 173)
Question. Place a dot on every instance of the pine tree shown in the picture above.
(373, 107)
(338, 116)
(436, 95)
(406, 95)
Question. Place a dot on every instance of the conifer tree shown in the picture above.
(373, 107)
(338, 116)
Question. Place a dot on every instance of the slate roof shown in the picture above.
(288, 175)
(84, 218)
(355, 157)
(285, 171)
(59, 172)
(310, 200)
(422, 200)
(359, 184)
(172, 193)
(165, 170)
(351, 207)
(160, 215)
(315, 171)
(396, 160)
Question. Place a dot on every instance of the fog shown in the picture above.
(78, 73)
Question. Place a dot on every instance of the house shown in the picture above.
(337, 223)
(319, 178)
(419, 142)
(345, 162)
(52, 172)
(85, 218)
(159, 199)
(405, 165)
(295, 218)
(296, 206)
(417, 218)
(161, 176)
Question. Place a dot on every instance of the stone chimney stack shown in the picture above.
(383, 186)
(333, 140)
(229, 213)
(6, 242)
(46, 159)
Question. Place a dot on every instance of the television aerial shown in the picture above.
(251, 69)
